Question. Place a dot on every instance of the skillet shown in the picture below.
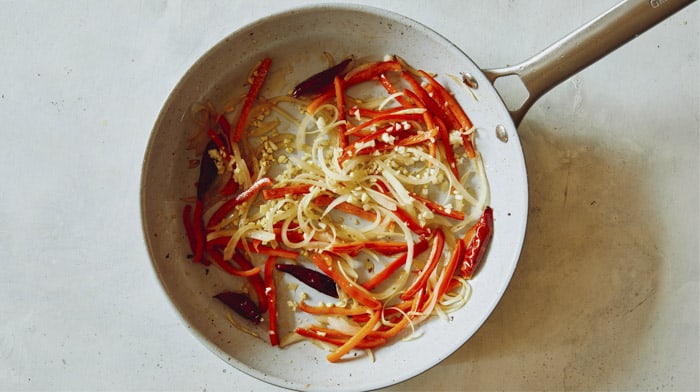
(296, 40)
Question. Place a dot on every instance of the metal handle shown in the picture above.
(584, 46)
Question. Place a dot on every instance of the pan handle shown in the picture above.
(584, 46)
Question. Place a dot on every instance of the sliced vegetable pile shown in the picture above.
(363, 183)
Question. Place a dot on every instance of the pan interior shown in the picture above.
(296, 41)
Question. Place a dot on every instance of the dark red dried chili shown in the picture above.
(311, 278)
(241, 304)
(321, 81)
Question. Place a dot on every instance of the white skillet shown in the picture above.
(296, 40)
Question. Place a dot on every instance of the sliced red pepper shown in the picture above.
(451, 267)
(225, 209)
(478, 239)
(456, 109)
(255, 280)
(259, 75)
(230, 188)
(391, 89)
(271, 292)
(433, 259)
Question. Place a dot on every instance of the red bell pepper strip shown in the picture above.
(451, 267)
(433, 259)
(478, 239)
(230, 188)
(219, 143)
(226, 208)
(330, 267)
(271, 297)
(391, 89)
(258, 75)
(456, 109)
(255, 280)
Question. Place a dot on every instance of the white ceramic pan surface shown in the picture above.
(296, 41)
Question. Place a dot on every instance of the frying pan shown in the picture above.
(296, 41)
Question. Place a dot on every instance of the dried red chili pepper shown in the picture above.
(477, 239)
(311, 278)
(207, 171)
(241, 304)
(321, 81)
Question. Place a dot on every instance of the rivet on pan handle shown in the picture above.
(584, 46)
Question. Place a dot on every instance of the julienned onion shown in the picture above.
(363, 181)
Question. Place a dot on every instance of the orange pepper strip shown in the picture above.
(332, 268)
(433, 259)
(438, 208)
(267, 250)
(320, 100)
(340, 102)
(226, 266)
(259, 74)
(270, 290)
(370, 71)
(383, 247)
(325, 201)
(277, 193)
(382, 275)
(355, 340)
(322, 335)
(304, 307)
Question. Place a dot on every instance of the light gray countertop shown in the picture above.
(605, 296)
